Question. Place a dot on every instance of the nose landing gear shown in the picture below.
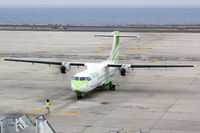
(79, 96)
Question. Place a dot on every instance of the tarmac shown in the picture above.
(153, 100)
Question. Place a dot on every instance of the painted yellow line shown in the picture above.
(63, 106)
(97, 52)
(122, 53)
(153, 60)
(34, 111)
(138, 48)
(71, 112)
(117, 79)
(105, 47)
(62, 117)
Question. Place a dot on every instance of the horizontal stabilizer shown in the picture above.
(103, 35)
(131, 36)
(112, 35)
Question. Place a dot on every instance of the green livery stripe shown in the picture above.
(115, 47)
(114, 55)
(78, 92)
(109, 79)
(78, 84)
(117, 57)
(116, 32)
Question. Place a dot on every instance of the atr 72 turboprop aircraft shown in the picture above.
(97, 74)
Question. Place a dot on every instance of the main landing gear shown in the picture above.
(111, 86)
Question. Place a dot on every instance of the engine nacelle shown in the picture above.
(65, 67)
(124, 69)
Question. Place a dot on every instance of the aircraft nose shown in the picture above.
(78, 85)
(73, 88)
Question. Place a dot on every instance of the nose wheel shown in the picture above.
(111, 86)
(79, 96)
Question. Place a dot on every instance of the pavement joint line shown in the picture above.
(176, 100)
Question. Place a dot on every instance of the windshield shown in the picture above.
(76, 78)
(88, 78)
(82, 78)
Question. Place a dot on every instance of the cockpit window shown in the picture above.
(82, 78)
(76, 78)
(88, 78)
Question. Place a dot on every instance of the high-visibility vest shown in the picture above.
(47, 104)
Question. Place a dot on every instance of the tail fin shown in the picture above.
(114, 55)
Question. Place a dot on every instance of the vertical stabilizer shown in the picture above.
(114, 55)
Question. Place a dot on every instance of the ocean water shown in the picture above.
(99, 16)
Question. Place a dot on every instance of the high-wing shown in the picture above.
(44, 62)
(147, 66)
(108, 65)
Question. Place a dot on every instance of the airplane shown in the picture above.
(97, 74)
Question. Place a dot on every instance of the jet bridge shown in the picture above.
(23, 124)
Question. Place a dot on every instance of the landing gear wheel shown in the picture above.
(111, 86)
(79, 96)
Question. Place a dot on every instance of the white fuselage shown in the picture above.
(99, 74)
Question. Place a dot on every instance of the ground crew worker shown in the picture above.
(47, 105)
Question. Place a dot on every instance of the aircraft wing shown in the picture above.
(124, 67)
(44, 62)
(146, 66)
(83, 64)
